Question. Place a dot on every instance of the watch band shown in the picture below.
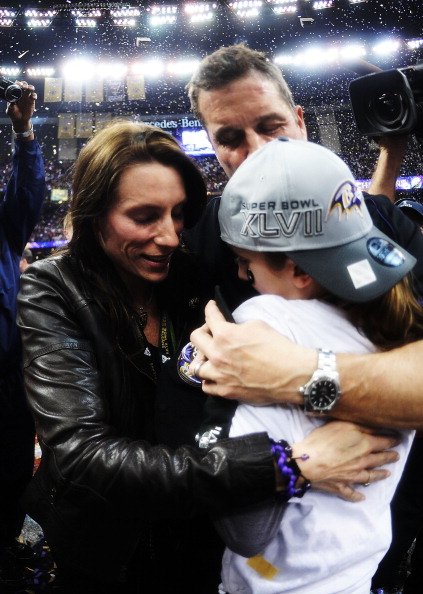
(322, 391)
(326, 360)
(19, 135)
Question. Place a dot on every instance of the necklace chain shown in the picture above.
(142, 310)
(142, 316)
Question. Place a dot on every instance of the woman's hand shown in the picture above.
(343, 455)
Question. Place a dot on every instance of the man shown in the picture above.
(27, 258)
(19, 211)
(243, 102)
(407, 505)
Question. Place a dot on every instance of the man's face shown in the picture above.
(245, 114)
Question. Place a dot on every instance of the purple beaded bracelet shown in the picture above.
(289, 468)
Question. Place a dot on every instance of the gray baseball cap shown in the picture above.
(298, 197)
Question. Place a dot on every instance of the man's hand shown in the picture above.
(391, 157)
(22, 111)
(343, 456)
(246, 361)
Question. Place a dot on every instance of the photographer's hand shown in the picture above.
(21, 111)
(391, 157)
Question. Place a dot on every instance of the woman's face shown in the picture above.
(141, 230)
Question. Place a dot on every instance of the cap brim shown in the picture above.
(358, 271)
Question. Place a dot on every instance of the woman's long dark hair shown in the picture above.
(95, 178)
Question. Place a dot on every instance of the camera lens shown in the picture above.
(388, 108)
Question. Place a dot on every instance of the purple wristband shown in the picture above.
(289, 468)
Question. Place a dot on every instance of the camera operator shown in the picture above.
(19, 211)
(394, 96)
(387, 105)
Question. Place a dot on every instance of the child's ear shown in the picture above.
(299, 278)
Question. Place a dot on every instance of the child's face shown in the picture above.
(267, 279)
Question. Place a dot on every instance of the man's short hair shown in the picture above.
(231, 63)
(28, 255)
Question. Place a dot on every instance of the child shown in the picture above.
(329, 280)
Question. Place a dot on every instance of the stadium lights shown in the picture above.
(386, 47)
(78, 69)
(163, 15)
(9, 71)
(40, 72)
(86, 19)
(125, 17)
(148, 68)
(352, 52)
(39, 18)
(183, 67)
(126, 22)
(86, 69)
(246, 9)
(200, 12)
(312, 57)
(413, 44)
(125, 12)
(315, 57)
(285, 7)
(357, 1)
(85, 23)
(112, 70)
(92, 13)
(7, 17)
(321, 4)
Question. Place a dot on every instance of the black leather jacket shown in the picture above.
(101, 487)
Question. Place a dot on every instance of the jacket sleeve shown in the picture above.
(91, 462)
(25, 193)
(247, 532)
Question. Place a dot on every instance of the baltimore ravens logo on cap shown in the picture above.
(347, 198)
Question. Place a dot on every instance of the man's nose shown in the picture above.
(254, 141)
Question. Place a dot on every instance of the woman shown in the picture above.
(330, 280)
(97, 322)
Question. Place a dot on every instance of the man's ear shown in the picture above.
(299, 114)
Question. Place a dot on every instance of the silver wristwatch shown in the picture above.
(322, 391)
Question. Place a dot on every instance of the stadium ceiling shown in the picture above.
(287, 35)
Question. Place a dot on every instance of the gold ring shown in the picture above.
(368, 480)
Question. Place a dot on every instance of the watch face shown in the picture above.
(323, 394)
